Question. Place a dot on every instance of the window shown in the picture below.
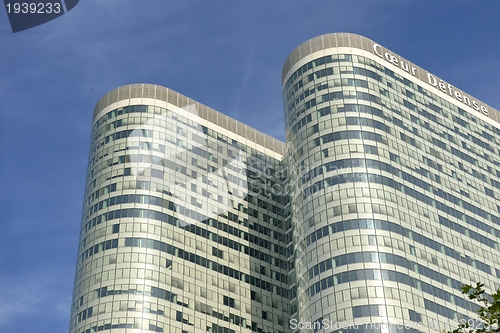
(229, 301)
(218, 253)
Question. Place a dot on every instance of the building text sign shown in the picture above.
(431, 79)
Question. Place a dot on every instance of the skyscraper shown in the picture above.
(382, 204)
(171, 239)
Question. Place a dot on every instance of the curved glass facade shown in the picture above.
(396, 189)
(178, 233)
(380, 206)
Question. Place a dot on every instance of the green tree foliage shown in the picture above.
(489, 310)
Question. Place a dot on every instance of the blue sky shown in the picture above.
(225, 54)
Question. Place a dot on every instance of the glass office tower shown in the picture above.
(382, 203)
(397, 187)
(180, 232)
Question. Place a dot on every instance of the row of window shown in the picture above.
(345, 95)
(357, 224)
(314, 63)
(392, 204)
(399, 123)
(390, 73)
(204, 262)
(472, 234)
(344, 135)
(155, 292)
(360, 238)
(216, 285)
(380, 311)
(106, 245)
(334, 83)
(379, 165)
(364, 257)
(379, 179)
(254, 184)
(434, 107)
(443, 310)
(163, 294)
(176, 118)
(339, 82)
(109, 326)
(119, 112)
(387, 275)
(158, 201)
(179, 316)
(193, 228)
(171, 297)
(380, 257)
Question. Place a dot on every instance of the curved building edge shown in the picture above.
(337, 141)
(319, 45)
(142, 91)
(138, 234)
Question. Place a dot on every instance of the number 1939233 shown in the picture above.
(33, 8)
